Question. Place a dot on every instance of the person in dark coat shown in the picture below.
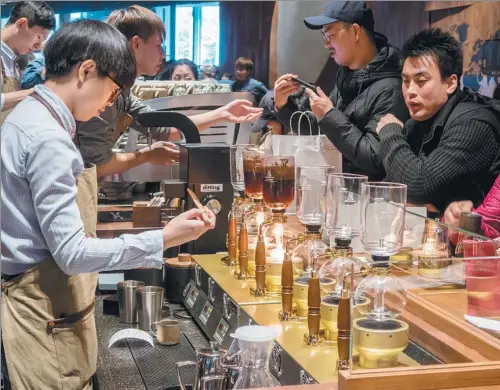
(368, 86)
(450, 148)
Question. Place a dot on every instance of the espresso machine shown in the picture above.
(204, 169)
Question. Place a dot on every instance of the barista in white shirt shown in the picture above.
(28, 26)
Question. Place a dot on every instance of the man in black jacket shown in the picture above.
(368, 86)
(449, 149)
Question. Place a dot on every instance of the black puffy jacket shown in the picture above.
(360, 99)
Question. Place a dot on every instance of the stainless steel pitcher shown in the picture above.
(208, 365)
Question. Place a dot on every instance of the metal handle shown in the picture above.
(211, 289)
(184, 364)
(226, 310)
(197, 276)
(153, 325)
(213, 378)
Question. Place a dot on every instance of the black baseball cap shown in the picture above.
(345, 11)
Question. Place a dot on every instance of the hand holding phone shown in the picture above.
(304, 83)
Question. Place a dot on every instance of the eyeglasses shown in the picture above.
(327, 37)
(116, 92)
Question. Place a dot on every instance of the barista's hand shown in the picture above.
(283, 88)
(452, 213)
(386, 120)
(320, 103)
(240, 111)
(161, 153)
(187, 227)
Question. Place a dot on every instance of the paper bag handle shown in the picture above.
(302, 113)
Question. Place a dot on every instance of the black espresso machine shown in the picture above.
(205, 170)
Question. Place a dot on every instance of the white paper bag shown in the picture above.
(307, 150)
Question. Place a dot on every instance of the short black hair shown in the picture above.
(90, 40)
(439, 44)
(38, 14)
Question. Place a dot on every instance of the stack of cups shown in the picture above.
(139, 303)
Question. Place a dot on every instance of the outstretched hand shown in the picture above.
(240, 111)
(161, 153)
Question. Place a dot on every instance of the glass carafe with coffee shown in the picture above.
(257, 212)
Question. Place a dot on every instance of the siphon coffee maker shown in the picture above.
(241, 203)
(278, 194)
(257, 212)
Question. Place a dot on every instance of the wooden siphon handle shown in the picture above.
(243, 249)
(260, 265)
(232, 234)
(287, 284)
(314, 304)
(344, 328)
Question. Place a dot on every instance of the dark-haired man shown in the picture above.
(368, 86)
(49, 255)
(449, 149)
(243, 68)
(28, 26)
(145, 32)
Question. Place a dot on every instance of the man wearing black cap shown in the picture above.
(368, 86)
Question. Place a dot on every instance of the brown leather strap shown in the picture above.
(70, 319)
(48, 107)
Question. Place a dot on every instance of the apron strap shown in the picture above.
(70, 319)
(37, 96)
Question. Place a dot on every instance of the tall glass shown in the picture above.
(311, 194)
(383, 208)
(279, 182)
(343, 205)
(253, 171)
(236, 166)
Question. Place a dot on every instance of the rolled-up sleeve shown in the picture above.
(53, 190)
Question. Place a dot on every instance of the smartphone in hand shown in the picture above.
(304, 83)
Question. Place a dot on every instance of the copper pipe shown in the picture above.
(314, 304)
(260, 266)
(232, 235)
(286, 288)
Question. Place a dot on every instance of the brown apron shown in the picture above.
(9, 84)
(48, 325)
